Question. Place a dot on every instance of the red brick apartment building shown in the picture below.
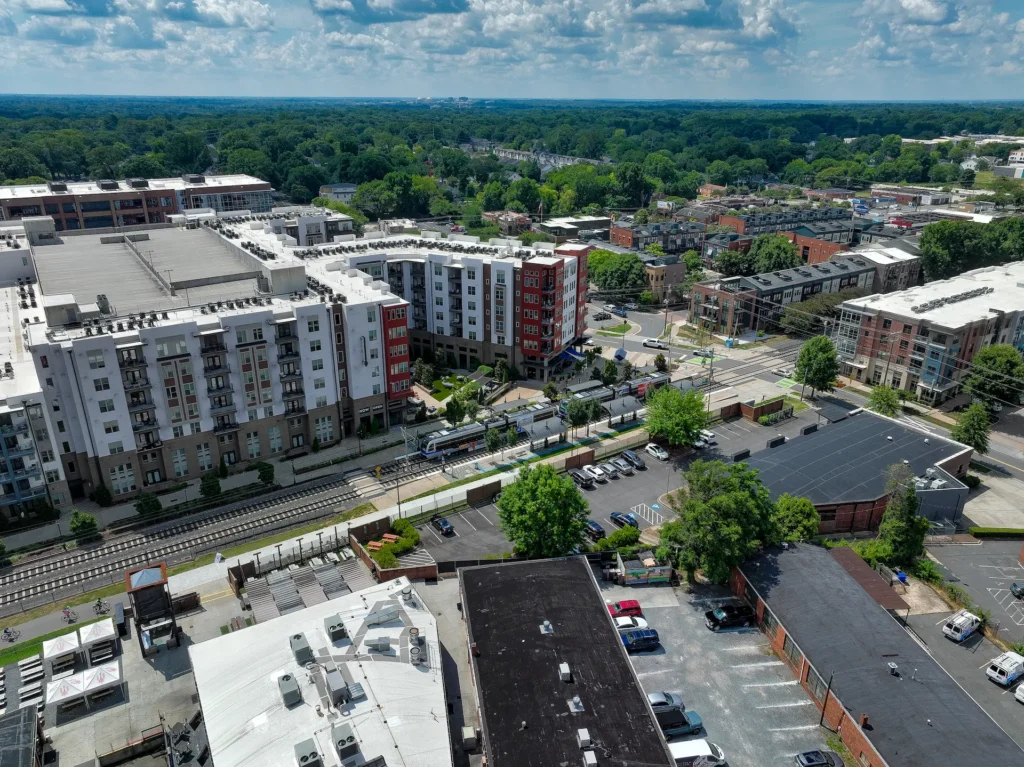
(886, 697)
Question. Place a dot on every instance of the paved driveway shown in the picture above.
(750, 701)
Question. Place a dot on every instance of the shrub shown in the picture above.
(997, 532)
(102, 496)
(83, 526)
(316, 444)
(222, 470)
(958, 595)
(147, 503)
(925, 569)
(764, 420)
(485, 370)
(873, 551)
(265, 471)
(972, 481)
(209, 485)
(385, 559)
(1017, 647)
(621, 538)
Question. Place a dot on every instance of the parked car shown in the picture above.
(703, 353)
(1019, 695)
(687, 753)
(665, 701)
(593, 530)
(657, 451)
(818, 759)
(431, 409)
(633, 458)
(629, 623)
(625, 607)
(442, 525)
(610, 469)
(609, 307)
(1006, 669)
(581, 479)
(619, 312)
(601, 316)
(675, 724)
(623, 519)
(708, 436)
(624, 466)
(630, 306)
(1017, 589)
(414, 401)
(729, 616)
(595, 472)
(655, 343)
(641, 640)
(699, 444)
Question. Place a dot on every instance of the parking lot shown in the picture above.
(985, 571)
(477, 531)
(750, 701)
(738, 434)
(966, 663)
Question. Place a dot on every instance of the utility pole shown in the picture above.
(888, 357)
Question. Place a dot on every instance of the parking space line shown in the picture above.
(484, 516)
(795, 729)
(773, 684)
(743, 648)
(762, 664)
(431, 530)
(741, 427)
(787, 705)
(467, 521)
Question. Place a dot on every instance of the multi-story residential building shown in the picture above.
(739, 305)
(895, 268)
(818, 241)
(720, 241)
(510, 223)
(1016, 155)
(133, 202)
(664, 274)
(574, 227)
(339, 192)
(754, 224)
(673, 237)
(909, 195)
(923, 339)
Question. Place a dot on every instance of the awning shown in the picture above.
(62, 645)
(212, 331)
(851, 363)
(94, 633)
(68, 688)
(622, 406)
(549, 427)
(101, 677)
(572, 354)
(129, 345)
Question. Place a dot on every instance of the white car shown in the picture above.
(595, 472)
(655, 343)
(1019, 695)
(609, 307)
(656, 451)
(708, 436)
(632, 623)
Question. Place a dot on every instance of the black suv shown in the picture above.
(634, 459)
(581, 479)
(729, 616)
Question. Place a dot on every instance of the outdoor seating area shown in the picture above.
(85, 689)
(30, 688)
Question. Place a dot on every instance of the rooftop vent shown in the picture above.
(564, 673)
(583, 737)
(138, 183)
(344, 739)
(300, 648)
(290, 692)
(306, 754)
(194, 178)
(57, 186)
(589, 759)
(335, 628)
(547, 628)
(575, 704)
(379, 644)
(107, 184)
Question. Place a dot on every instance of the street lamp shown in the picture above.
(278, 555)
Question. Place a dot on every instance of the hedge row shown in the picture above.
(997, 532)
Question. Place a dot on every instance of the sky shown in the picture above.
(628, 49)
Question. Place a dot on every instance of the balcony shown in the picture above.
(418, 284)
(17, 428)
(456, 318)
(28, 471)
(455, 303)
(288, 354)
(148, 442)
(419, 298)
(148, 425)
(419, 324)
(293, 375)
(549, 287)
(455, 289)
(293, 393)
(219, 368)
(132, 362)
(140, 406)
(213, 346)
(547, 334)
(548, 303)
(226, 407)
(223, 389)
(136, 384)
(225, 426)
(283, 336)
(295, 410)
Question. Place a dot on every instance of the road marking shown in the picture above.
(794, 729)
(786, 705)
(207, 600)
(762, 664)
(771, 684)
(484, 516)
(431, 529)
(741, 427)
(467, 521)
(743, 648)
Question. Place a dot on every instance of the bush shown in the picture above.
(925, 569)
(972, 481)
(209, 485)
(958, 595)
(222, 470)
(83, 526)
(624, 536)
(485, 370)
(147, 503)
(873, 551)
(316, 445)
(265, 471)
(997, 532)
(102, 496)
(764, 420)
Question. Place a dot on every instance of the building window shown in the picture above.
(376, 388)
(252, 441)
(318, 364)
(371, 314)
(274, 434)
(101, 384)
(319, 383)
(241, 336)
(106, 405)
(815, 685)
(122, 479)
(95, 358)
(111, 427)
(115, 447)
(204, 456)
(257, 334)
(177, 431)
(324, 429)
(314, 345)
(313, 325)
(770, 625)
(180, 462)
(791, 650)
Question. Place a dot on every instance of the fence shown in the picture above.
(891, 578)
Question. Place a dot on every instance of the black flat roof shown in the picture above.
(847, 461)
(517, 676)
(18, 738)
(920, 718)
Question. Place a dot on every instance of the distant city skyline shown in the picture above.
(828, 50)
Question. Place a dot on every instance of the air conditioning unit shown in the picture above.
(290, 692)
(300, 648)
(335, 628)
(306, 754)
(380, 644)
(337, 688)
(344, 739)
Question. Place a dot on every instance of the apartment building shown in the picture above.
(818, 241)
(339, 192)
(111, 204)
(1016, 155)
(754, 224)
(674, 237)
(664, 274)
(478, 304)
(895, 268)
(716, 243)
(738, 305)
(909, 195)
(923, 339)
(574, 227)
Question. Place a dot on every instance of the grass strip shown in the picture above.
(31, 647)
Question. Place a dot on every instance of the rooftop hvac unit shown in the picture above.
(194, 178)
(415, 637)
(583, 737)
(335, 628)
(290, 692)
(417, 657)
(107, 184)
(306, 754)
(57, 186)
(564, 673)
(380, 644)
(300, 648)
(589, 759)
(344, 739)
(103, 303)
(138, 183)
(337, 688)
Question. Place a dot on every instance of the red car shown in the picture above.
(625, 608)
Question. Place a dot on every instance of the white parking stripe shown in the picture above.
(743, 648)
(786, 705)
(485, 517)
(771, 684)
(463, 516)
(741, 427)
(795, 729)
(762, 664)
(431, 529)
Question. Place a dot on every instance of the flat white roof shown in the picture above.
(883, 255)
(402, 714)
(948, 303)
(211, 183)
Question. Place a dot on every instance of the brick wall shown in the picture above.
(621, 235)
(753, 412)
(737, 223)
(852, 517)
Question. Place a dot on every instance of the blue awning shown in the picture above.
(572, 355)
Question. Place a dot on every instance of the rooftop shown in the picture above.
(787, 279)
(884, 256)
(18, 738)
(209, 183)
(517, 668)
(397, 708)
(970, 297)
(920, 718)
(847, 461)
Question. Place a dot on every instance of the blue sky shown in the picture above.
(729, 49)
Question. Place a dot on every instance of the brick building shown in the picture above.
(673, 237)
(787, 221)
(818, 241)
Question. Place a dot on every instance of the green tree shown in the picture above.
(102, 496)
(996, 374)
(187, 152)
(147, 503)
(265, 471)
(901, 527)
(3, 555)
(772, 253)
(105, 160)
(884, 401)
(422, 372)
(720, 172)
(209, 485)
(949, 248)
(660, 363)
(609, 373)
(376, 199)
(16, 163)
(735, 263)
(817, 365)
(526, 192)
(577, 413)
(616, 271)
(966, 179)
(454, 411)
(674, 416)
(806, 317)
(251, 162)
(620, 539)
(641, 216)
(632, 182)
(145, 166)
(543, 513)
(973, 427)
(550, 390)
(222, 468)
(796, 518)
(492, 438)
(82, 526)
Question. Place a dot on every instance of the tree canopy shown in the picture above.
(543, 513)
(817, 364)
(901, 529)
(973, 427)
(773, 252)
(674, 416)
(796, 518)
(996, 374)
(884, 401)
(616, 271)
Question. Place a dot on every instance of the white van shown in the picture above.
(1005, 669)
(961, 625)
(686, 753)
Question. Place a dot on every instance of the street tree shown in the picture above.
(996, 374)
(493, 440)
(82, 526)
(209, 485)
(454, 411)
(902, 529)
(502, 372)
(973, 427)
(796, 518)
(265, 472)
(543, 513)
(735, 263)
(550, 390)
(772, 253)
(577, 413)
(147, 503)
(817, 366)
(660, 363)
(884, 401)
(674, 416)
(609, 373)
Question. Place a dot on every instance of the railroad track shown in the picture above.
(121, 554)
